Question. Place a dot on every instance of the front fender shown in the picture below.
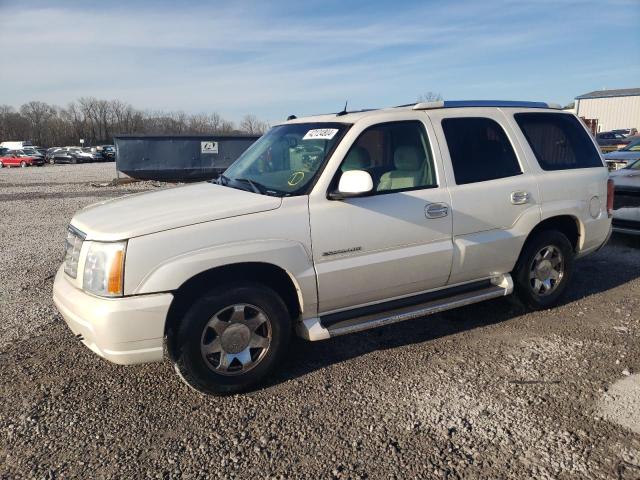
(289, 255)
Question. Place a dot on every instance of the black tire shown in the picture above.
(23, 164)
(524, 287)
(1, 165)
(194, 369)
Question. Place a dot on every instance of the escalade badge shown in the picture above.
(338, 252)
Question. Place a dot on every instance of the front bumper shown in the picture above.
(124, 330)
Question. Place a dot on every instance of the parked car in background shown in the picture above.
(17, 158)
(48, 156)
(13, 145)
(66, 156)
(625, 156)
(32, 152)
(80, 154)
(626, 131)
(626, 213)
(109, 153)
(610, 141)
(91, 154)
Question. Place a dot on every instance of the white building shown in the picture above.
(613, 109)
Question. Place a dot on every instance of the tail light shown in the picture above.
(610, 194)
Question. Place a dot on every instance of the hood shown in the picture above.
(622, 155)
(150, 212)
(626, 179)
(625, 172)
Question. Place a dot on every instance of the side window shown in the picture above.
(396, 154)
(479, 149)
(558, 141)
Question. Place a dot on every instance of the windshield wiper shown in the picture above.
(255, 186)
(221, 180)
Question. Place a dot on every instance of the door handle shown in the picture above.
(519, 198)
(436, 210)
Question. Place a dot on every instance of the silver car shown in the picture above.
(626, 213)
(623, 157)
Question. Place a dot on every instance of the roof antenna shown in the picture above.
(344, 110)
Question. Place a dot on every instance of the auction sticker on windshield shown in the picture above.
(320, 134)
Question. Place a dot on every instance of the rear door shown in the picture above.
(494, 197)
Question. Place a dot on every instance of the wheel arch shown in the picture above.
(268, 274)
(568, 225)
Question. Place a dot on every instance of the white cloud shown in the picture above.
(241, 58)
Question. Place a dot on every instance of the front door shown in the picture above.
(394, 242)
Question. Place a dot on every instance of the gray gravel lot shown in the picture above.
(486, 391)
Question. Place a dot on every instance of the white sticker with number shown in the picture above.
(320, 134)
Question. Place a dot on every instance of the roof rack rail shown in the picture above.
(482, 103)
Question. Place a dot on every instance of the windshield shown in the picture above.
(632, 147)
(285, 160)
(634, 166)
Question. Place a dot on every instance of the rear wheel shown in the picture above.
(23, 164)
(232, 338)
(1, 165)
(544, 269)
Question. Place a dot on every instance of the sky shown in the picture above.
(275, 58)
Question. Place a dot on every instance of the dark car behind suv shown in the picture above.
(108, 153)
(610, 141)
(66, 156)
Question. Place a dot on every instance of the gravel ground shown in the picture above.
(486, 391)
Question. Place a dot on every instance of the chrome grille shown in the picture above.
(72, 247)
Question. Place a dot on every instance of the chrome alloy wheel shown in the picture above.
(236, 339)
(546, 270)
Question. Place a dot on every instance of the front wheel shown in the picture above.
(1, 165)
(544, 269)
(23, 164)
(232, 338)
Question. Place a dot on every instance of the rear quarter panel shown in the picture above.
(572, 192)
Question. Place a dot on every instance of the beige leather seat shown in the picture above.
(409, 170)
(357, 159)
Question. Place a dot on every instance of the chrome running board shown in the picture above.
(313, 329)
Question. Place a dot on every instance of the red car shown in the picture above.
(14, 159)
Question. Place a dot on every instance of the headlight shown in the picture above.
(72, 248)
(104, 269)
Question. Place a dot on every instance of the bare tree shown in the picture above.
(98, 120)
(38, 115)
(13, 126)
(251, 125)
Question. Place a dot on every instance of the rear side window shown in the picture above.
(479, 150)
(558, 141)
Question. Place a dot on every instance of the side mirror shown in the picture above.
(353, 183)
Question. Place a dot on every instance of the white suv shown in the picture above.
(334, 224)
